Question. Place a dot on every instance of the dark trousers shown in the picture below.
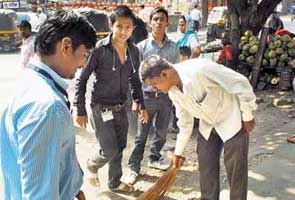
(235, 160)
(159, 110)
(112, 138)
(174, 118)
(196, 25)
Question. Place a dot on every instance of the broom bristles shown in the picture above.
(161, 187)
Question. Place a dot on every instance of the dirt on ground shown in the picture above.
(268, 146)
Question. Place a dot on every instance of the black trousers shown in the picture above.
(112, 138)
(235, 160)
(196, 25)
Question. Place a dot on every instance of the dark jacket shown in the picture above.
(112, 78)
(140, 31)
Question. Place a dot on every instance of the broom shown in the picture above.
(162, 185)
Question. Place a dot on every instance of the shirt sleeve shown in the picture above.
(193, 42)
(135, 83)
(39, 159)
(234, 83)
(176, 55)
(228, 53)
(221, 57)
(81, 83)
(185, 124)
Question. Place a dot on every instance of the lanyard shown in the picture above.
(58, 87)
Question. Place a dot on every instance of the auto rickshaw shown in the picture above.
(99, 20)
(9, 36)
(217, 23)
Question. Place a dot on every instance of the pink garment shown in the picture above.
(27, 51)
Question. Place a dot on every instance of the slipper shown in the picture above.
(123, 188)
(93, 180)
(291, 139)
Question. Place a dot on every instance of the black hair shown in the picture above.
(25, 24)
(183, 18)
(196, 6)
(185, 51)
(158, 10)
(122, 11)
(152, 66)
(64, 23)
(142, 6)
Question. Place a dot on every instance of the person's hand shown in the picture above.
(82, 121)
(143, 116)
(177, 161)
(80, 195)
(135, 107)
(248, 126)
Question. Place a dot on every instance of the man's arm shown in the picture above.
(135, 83)
(185, 123)
(194, 45)
(81, 83)
(176, 55)
(39, 154)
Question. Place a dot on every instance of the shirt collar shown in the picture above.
(151, 39)
(57, 78)
(108, 40)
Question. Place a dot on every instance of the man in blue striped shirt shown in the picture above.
(37, 141)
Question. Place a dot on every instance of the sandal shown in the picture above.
(291, 139)
(93, 180)
(123, 188)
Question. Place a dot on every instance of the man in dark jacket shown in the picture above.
(115, 63)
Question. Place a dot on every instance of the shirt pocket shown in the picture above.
(211, 103)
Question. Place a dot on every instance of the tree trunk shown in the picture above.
(204, 4)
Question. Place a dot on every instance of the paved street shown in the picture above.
(271, 158)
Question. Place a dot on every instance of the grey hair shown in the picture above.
(152, 66)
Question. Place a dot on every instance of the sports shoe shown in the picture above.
(131, 178)
(158, 165)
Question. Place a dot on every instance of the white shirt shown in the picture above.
(42, 18)
(220, 97)
(27, 51)
(196, 14)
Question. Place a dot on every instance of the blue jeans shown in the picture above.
(159, 110)
(112, 137)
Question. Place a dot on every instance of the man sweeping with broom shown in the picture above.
(224, 102)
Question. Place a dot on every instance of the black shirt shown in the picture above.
(112, 78)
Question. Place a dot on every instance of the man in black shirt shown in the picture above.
(115, 63)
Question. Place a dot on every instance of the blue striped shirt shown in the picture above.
(37, 141)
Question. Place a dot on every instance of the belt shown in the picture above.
(115, 108)
(152, 94)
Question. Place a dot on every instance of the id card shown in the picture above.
(107, 115)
